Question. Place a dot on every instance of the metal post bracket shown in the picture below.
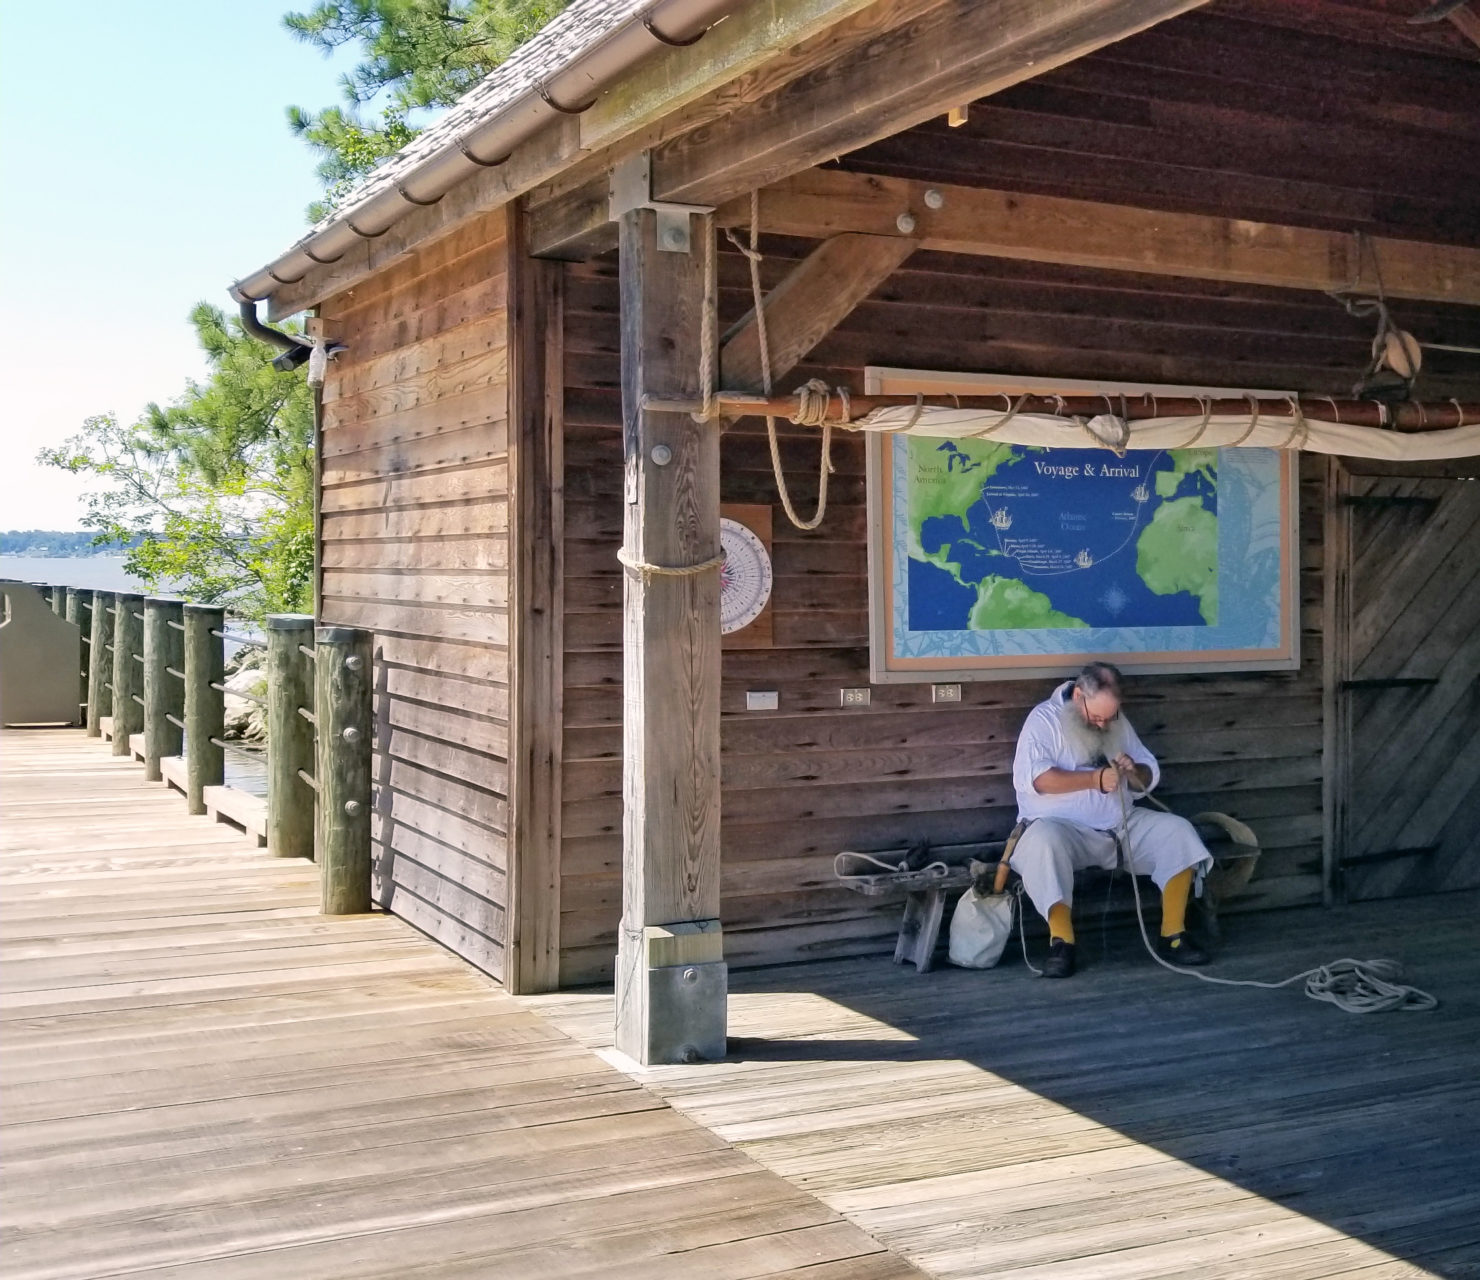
(632, 188)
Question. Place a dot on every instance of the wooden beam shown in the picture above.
(670, 971)
(666, 83)
(960, 51)
(806, 306)
(880, 72)
(536, 614)
(569, 217)
(1085, 233)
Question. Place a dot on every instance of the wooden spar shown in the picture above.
(1414, 417)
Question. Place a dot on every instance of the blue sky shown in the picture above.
(147, 162)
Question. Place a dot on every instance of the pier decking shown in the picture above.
(1127, 1124)
(204, 1077)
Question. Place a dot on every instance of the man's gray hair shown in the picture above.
(1098, 677)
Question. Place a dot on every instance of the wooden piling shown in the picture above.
(205, 703)
(290, 737)
(164, 683)
(79, 614)
(128, 678)
(342, 710)
(100, 664)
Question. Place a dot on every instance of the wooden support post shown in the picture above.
(100, 664)
(128, 676)
(536, 617)
(342, 709)
(57, 598)
(205, 705)
(290, 747)
(164, 683)
(671, 976)
(79, 614)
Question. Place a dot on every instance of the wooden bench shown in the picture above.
(927, 890)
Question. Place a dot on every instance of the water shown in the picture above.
(101, 573)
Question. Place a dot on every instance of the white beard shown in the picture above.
(1087, 744)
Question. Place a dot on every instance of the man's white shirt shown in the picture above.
(1042, 746)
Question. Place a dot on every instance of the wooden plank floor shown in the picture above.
(203, 1077)
(1128, 1123)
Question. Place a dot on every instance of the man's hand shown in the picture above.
(1138, 774)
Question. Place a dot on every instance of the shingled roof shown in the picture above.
(562, 68)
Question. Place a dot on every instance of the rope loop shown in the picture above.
(825, 467)
(1300, 431)
(1207, 408)
(644, 569)
(1253, 422)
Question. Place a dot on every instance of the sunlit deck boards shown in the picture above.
(203, 1077)
(1128, 1123)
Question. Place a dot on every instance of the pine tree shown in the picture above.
(417, 55)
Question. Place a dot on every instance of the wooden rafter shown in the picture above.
(1004, 224)
(804, 308)
(932, 58)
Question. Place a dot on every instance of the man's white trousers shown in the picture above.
(1051, 850)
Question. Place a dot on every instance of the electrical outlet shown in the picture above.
(762, 700)
(945, 693)
(855, 697)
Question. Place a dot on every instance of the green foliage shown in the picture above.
(417, 55)
(212, 495)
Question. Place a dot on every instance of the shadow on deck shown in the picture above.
(1127, 1123)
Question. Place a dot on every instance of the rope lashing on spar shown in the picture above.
(809, 413)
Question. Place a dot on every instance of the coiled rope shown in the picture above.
(1353, 986)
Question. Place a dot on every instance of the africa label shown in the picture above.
(745, 577)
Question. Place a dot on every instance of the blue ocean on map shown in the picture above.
(1061, 505)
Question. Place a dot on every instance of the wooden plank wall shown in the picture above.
(415, 547)
(1209, 113)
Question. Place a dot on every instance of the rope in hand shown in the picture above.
(753, 256)
(1354, 986)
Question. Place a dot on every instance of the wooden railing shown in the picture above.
(152, 680)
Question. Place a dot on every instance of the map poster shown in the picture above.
(1000, 560)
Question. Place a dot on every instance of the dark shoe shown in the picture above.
(1181, 949)
(1060, 963)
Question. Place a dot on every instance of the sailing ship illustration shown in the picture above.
(1141, 493)
(1001, 519)
(1084, 559)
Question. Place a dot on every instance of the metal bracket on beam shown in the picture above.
(632, 188)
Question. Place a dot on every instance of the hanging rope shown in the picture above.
(706, 324)
(753, 256)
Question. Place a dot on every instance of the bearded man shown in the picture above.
(1075, 756)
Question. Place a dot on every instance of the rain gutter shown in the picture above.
(490, 142)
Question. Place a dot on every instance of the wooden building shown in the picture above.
(477, 480)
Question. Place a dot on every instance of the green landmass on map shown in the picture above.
(946, 478)
(1187, 462)
(1178, 551)
(1007, 604)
